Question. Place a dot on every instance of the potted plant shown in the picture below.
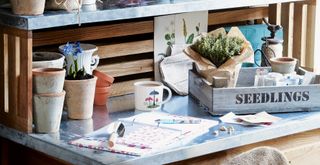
(218, 56)
(79, 85)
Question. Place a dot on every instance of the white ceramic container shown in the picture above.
(47, 60)
(47, 111)
(48, 80)
(84, 59)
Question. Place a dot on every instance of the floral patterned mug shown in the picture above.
(149, 94)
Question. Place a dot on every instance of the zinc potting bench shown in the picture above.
(125, 40)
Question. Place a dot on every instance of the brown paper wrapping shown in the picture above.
(227, 74)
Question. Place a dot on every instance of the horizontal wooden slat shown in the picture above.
(92, 33)
(123, 49)
(16, 32)
(126, 87)
(128, 68)
(237, 15)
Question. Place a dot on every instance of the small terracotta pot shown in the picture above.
(47, 60)
(79, 98)
(28, 7)
(47, 111)
(283, 65)
(104, 80)
(101, 95)
(48, 80)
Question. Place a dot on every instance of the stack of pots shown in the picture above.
(103, 87)
(48, 98)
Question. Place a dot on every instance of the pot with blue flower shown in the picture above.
(79, 83)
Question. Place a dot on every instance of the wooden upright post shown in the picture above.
(16, 78)
(313, 36)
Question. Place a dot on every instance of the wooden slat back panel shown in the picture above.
(92, 33)
(275, 14)
(126, 48)
(125, 87)
(16, 79)
(237, 15)
(287, 23)
(128, 68)
(313, 35)
(300, 33)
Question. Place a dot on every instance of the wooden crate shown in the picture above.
(247, 99)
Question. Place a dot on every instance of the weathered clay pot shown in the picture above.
(79, 97)
(88, 2)
(284, 65)
(104, 80)
(48, 80)
(28, 7)
(47, 60)
(101, 95)
(47, 111)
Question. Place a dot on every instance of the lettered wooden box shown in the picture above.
(247, 99)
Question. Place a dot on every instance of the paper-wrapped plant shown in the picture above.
(218, 49)
(219, 55)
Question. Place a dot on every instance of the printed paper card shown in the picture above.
(179, 29)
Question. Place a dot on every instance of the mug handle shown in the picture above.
(94, 62)
(169, 95)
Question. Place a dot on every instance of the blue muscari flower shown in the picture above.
(72, 49)
(67, 49)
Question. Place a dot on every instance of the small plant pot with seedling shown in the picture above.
(79, 85)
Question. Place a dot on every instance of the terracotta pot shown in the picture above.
(48, 80)
(101, 95)
(28, 7)
(47, 60)
(79, 97)
(47, 111)
(284, 65)
(104, 80)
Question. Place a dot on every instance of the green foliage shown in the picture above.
(76, 73)
(218, 49)
(190, 39)
(169, 38)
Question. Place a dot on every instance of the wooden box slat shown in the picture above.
(92, 33)
(125, 48)
(128, 68)
(237, 15)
